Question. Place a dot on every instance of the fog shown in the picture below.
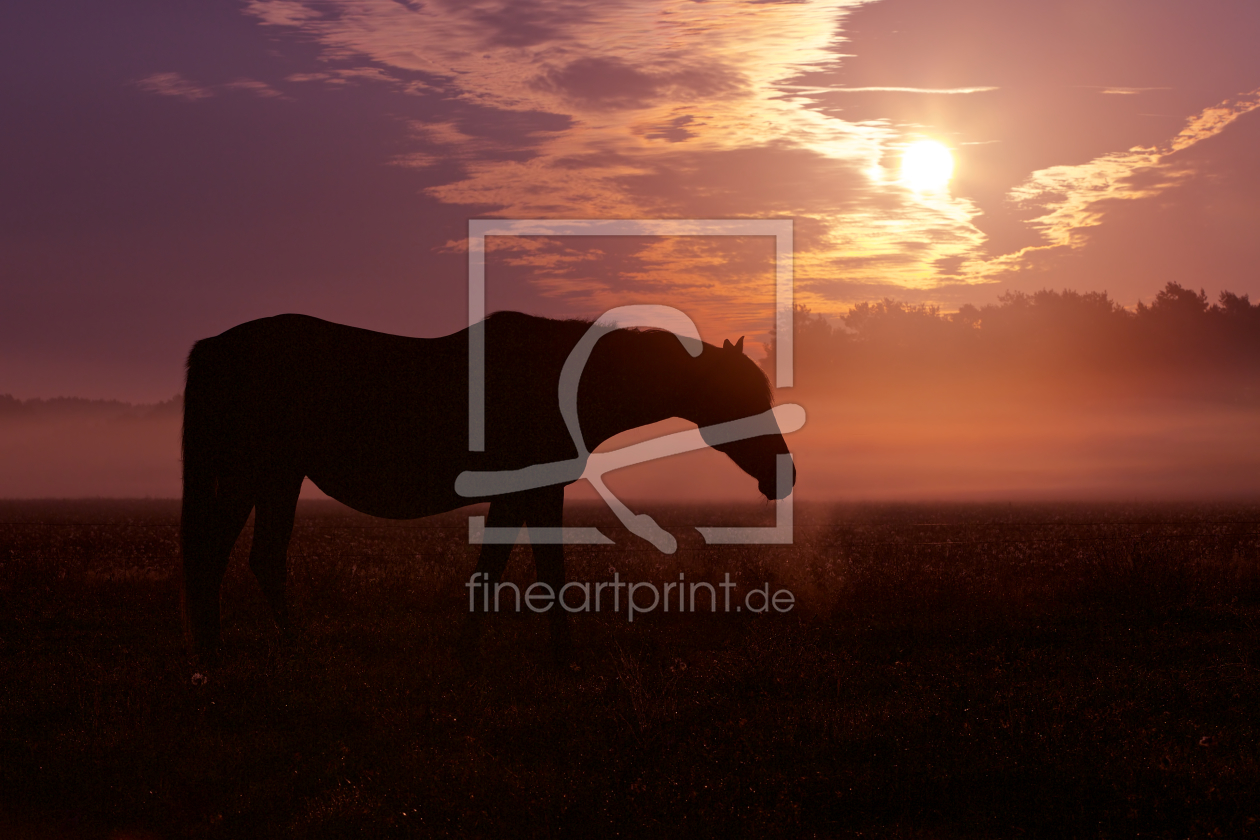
(1054, 396)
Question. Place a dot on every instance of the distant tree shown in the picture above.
(1232, 304)
(1055, 327)
(10, 406)
(815, 344)
(1238, 309)
(968, 316)
(1175, 301)
(891, 320)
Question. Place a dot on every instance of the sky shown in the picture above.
(171, 169)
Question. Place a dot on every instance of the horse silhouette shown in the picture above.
(379, 422)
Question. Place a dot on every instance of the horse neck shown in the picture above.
(638, 379)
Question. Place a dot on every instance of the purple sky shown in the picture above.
(174, 168)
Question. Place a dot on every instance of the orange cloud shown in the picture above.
(1076, 199)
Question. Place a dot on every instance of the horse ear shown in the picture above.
(726, 345)
(739, 345)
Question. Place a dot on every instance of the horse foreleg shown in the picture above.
(268, 556)
(546, 510)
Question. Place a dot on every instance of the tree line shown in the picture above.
(12, 408)
(1065, 333)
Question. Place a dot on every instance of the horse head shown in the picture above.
(731, 387)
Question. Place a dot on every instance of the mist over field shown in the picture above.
(73, 448)
(1056, 395)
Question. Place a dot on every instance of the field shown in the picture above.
(946, 671)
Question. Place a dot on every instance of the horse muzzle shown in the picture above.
(772, 491)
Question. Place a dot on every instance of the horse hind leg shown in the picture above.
(268, 555)
(209, 527)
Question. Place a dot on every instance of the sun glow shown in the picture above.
(926, 166)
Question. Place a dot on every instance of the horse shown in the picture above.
(380, 423)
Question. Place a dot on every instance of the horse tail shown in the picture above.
(202, 446)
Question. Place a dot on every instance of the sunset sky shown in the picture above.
(173, 169)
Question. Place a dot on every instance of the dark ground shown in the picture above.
(948, 671)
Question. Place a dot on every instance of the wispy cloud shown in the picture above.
(869, 89)
(284, 12)
(174, 84)
(1074, 199)
(255, 87)
(1117, 90)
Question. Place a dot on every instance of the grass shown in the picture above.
(948, 671)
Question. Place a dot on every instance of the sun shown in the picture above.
(926, 166)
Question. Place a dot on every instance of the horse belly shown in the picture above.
(388, 478)
(383, 500)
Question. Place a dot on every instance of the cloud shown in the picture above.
(1074, 200)
(673, 131)
(1117, 90)
(671, 108)
(1194, 224)
(173, 84)
(605, 83)
(283, 12)
(255, 87)
(695, 115)
(871, 89)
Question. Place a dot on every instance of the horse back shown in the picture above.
(379, 421)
